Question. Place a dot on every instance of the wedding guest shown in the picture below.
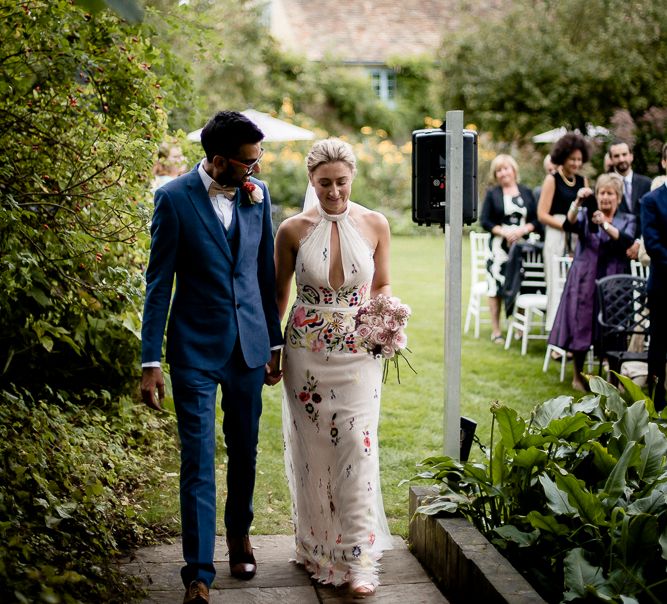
(635, 186)
(559, 190)
(654, 220)
(509, 213)
(339, 252)
(604, 237)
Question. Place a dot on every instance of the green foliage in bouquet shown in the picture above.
(575, 496)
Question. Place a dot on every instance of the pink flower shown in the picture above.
(317, 346)
(300, 316)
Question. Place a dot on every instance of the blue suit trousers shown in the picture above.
(195, 393)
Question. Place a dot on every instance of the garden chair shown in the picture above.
(637, 269)
(623, 314)
(479, 254)
(531, 304)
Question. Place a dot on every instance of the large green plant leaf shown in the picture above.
(511, 426)
(653, 503)
(530, 458)
(551, 410)
(563, 427)
(590, 405)
(557, 500)
(499, 466)
(602, 459)
(615, 485)
(653, 453)
(663, 543)
(587, 505)
(614, 402)
(509, 532)
(633, 424)
(582, 578)
(631, 389)
(639, 539)
(547, 524)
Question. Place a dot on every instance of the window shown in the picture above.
(384, 84)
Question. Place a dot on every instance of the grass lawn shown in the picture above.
(411, 421)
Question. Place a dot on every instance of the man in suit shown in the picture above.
(654, 220)
(635, 186)
(212, 231)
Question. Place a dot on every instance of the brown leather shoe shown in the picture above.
(242, 562)
(196, 593)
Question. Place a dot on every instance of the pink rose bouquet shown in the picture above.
(380, 323)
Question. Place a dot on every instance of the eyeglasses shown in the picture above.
(249, 168)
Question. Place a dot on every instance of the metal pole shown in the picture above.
(453, 273)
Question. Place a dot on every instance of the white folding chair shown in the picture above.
(479, 254)
(529, 308)
(561, 266)
(637, 269)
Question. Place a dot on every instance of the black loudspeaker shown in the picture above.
(429, 177)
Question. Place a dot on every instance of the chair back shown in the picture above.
(637, 269)
(479, 254)
(561, 266)
(623, 310)
(532, 269)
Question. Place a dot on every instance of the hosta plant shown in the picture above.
(575, 495)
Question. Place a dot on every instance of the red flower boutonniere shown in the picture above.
(253, 194)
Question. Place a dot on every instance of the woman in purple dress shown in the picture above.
(604, 236)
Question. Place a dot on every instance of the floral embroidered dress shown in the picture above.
(331, 406)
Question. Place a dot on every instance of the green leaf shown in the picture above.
(509, 532)
(552, 409)
(511, 426)
(548, 524)
(653, 453)
(615, 485)
(498, 464)
(640, 540)
(663, 543)
(557, 500)
(633, 424)
(530, 458)
(634, 391)
(614, 402)
(563, 427)
(581, 577)
(587, 505)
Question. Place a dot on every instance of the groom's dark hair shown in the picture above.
(226, 131)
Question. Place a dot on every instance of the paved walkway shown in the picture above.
(402, 578)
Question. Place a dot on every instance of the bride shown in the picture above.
(339, 252)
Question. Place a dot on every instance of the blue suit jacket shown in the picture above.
(654, 221)
(218, 298)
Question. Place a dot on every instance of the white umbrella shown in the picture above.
(273, 128)
(551, 136)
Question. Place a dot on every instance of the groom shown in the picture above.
(212, 232)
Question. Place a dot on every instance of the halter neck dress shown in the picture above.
(331, 407)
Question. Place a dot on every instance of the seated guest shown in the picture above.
(509, 213)
(604, 237)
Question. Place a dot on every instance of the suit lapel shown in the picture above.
(202, 204)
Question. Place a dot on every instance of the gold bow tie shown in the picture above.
(217, 189)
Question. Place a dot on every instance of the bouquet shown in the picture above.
(380, 323)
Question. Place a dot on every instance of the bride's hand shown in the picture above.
(272, 372)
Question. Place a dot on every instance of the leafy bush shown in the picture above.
(575, 497)
(70, 478)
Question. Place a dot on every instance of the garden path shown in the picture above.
(402, 578)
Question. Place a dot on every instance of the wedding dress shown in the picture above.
(331, 406)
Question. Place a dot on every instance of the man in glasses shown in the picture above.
(212, 233)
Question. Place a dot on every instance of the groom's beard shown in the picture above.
(229, 178)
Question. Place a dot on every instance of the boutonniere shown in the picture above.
(253, 194)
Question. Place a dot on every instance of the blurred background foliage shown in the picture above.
(88, 90)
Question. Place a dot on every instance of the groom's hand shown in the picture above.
(272, 372)
(152, 387)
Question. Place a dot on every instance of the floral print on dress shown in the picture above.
(310, 398)
(320, 330)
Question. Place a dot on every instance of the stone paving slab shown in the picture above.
(402, 578)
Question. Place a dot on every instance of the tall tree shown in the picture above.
(547, 63)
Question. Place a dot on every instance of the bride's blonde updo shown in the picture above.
(330, 150)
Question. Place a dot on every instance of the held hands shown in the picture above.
(272, 372)
(152, 387)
